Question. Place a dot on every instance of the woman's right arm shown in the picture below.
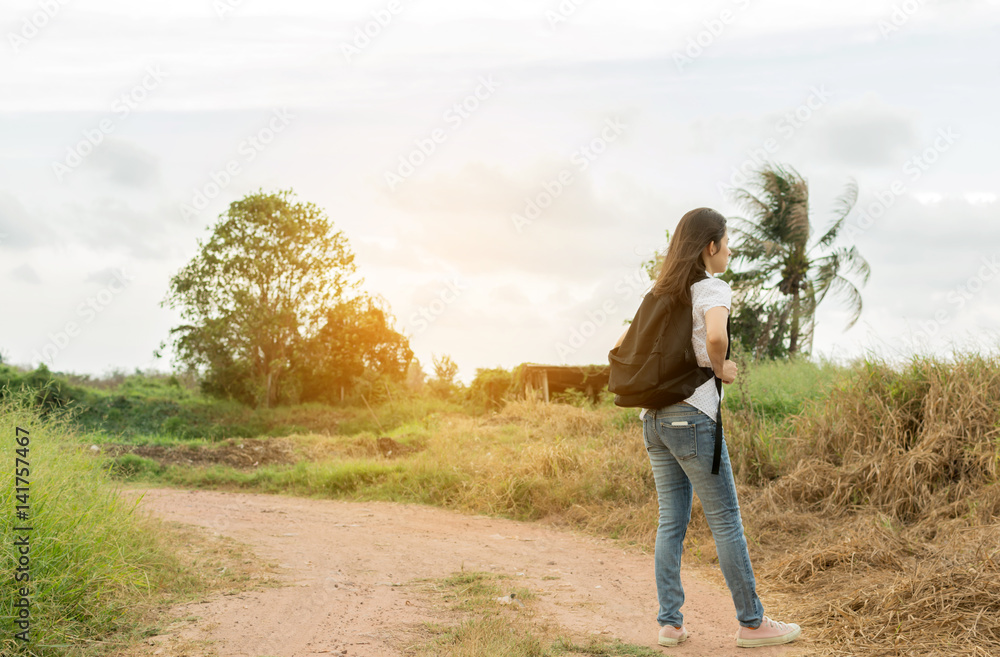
(717, 342)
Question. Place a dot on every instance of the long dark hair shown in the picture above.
(682, 265)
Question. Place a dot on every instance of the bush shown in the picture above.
(49, 391)
(491, 387)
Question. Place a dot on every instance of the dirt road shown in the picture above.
(344, 562)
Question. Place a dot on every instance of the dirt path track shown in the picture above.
(341, 560)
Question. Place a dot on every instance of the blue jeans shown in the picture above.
(681, 456)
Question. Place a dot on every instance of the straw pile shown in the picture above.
(897, 470)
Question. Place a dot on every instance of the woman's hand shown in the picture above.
(728, 372)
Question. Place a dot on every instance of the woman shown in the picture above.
(680, 440)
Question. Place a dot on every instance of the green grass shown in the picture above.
(774, 390)
(89, 557)
(131, 466)
(360, 479)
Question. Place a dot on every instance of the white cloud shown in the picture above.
(19, 227)
(124, 163)
(25, 273)
(977, 198)
(928, 198)
(932, 276)
(866, 132)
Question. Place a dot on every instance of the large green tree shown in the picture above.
(789, 272)
(260, 297)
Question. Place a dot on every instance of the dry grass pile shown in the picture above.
(919, 445)
(897, 469)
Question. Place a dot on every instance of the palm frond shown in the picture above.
(857, 264)
(838, 263)
(842, 207)
(823, 271)
(787, 195)
(751, 203)
(752, 248)
(853, 262)
(843, 287)
(798, 223)
(740, 227)
(807, 311)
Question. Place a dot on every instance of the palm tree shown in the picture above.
(789, 276)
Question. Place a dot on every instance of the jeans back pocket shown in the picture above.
(680, 439)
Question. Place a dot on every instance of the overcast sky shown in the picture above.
(433, 132)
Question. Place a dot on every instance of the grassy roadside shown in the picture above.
(99, 574)
(197, 567)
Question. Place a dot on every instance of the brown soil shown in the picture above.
(249, 453)
(355, 579)
(243, 453)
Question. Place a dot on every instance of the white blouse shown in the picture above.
(705, 294)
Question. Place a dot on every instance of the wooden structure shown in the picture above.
(546, 380)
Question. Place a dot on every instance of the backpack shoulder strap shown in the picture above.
(717, 457)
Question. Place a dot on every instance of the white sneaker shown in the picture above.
(769, 633)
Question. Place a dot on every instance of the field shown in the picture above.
(868, 492)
